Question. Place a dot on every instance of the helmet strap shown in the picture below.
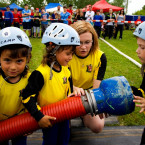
(55, 49)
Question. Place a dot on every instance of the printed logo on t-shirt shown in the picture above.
(64, 80)
(89, 68)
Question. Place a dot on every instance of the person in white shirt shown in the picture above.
(90, 15)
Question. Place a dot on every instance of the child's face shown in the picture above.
(64, 56)
(141, 50)
(85, 44)
(12, 67)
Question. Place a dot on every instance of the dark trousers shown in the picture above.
(8, 24)
(119, 28)
(58, 134)
(17, 25)
(143, 138)
(1, 25)
(109, 31)
(17, 141)
(98, 30)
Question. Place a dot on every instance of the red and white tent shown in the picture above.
(102, 4)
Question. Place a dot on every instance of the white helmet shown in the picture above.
(13, 35)
(140, 31)
(61, 34)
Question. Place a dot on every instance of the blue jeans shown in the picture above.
(59, 134)
(22, 140)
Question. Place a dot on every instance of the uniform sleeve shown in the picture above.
(101, 68)
(139, 91)
(71, 84)
(30, 93)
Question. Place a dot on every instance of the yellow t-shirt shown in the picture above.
(10, 102)
(56, 89)
(84, 70)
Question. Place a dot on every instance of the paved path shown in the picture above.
(119, 135)
(80, 135)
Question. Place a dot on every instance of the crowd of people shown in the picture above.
(35, 19)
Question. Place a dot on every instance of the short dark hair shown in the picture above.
(70, 5)
(7, 6)
(25, 4)
(64, 6)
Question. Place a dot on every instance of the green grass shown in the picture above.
(117, 65)
(37, 53)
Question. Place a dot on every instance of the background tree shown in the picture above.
(4, 3)
(33, 3)
(119, 3)
(141, 12)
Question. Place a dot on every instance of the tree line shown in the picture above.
(75, 3)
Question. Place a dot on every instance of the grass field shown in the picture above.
(117, 65)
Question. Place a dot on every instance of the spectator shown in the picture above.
(8, 17)
(138, 21)
(80, 15)
(57, 18)
(102, 14)
(85, 11)
(97, 25)
(64, 15)
(44, 20)
(21, 19)
(17, 17)
(58, 10)
(90, 15)
(32, 16)
(36, 24)
(53, 15)
(1, 20)
(119, 25)
(70, 9)
(109, 25)
(26, 13)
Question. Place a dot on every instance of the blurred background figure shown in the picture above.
(36, 25)
(65, 15)
(17, 18)
(89, 15)
(8, 17)
(97, 25)
(109, 25)
(119, 25)
(1, 20)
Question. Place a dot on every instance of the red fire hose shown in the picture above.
(22, 124)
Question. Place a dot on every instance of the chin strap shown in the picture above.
(51, 74)
(55, 49)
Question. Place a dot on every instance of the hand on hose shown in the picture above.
(45, 121)
(104, 115)
(77, 92)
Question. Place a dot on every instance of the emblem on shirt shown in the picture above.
(89, 68)
(64, 80)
